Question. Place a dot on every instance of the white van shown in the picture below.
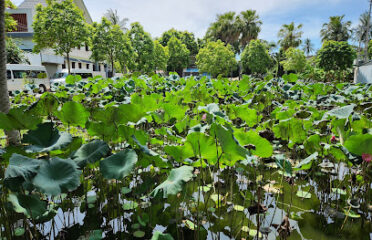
(20, 74)
(60, 77)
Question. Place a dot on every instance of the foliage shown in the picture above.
(10, 23)
(216, 59)
(161, 56)
(308, 47)
(144, 49)
(110, 44)
(114, 18)
(255, 57)
(290, 36)
(336, 29)
(336, 56)
(295, 60)
(60, 26)
(14, 54)
(186, 38)
(178, 55)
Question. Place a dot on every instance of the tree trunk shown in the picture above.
(12, 136)
(68, 63)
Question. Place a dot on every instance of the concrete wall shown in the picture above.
(364, 74)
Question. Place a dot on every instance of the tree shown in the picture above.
(114, 18)
(308, 47)
(10, 23)
(162, 56)
(290, 36)
(216, 59)
(256, 58)
(295, 60)
(336, 29)
(361, 32)
(250, 26)
(14, 54)
(110, 44)
(60, 26)
(336, 56)
(186, 38)
(178, 55)
(143, 46)
(12, 136)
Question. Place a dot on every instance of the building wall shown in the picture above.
(364, 74)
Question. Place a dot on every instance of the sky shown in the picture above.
(195, 16)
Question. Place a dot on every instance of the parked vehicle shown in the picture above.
(18, 75)
(60, 77)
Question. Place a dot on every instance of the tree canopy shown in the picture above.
(161, 56)
(336, 29)
(14, 54)
(336, 56)
(290, 36)
(60, 26)
(216, 58)
(186, 38)
(256, 58)
(295, 60)
(178, 55)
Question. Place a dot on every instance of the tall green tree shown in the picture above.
(186, 38)
(295, 60)
(110, 44)
(12, 136)
(336, 56)
(144, 48)
(114, 18)
(308, 47)
(162, 56)
(250, 26)
(14, 54)
(60, 26)
(256, 58)
(178, 55)
(336, 29)
(216, 58)
(290, 36)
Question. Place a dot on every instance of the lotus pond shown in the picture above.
(174, 158)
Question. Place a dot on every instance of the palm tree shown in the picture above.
(114, 18)
(360, 31)
(225, 28)
(336, 29)
(308, 47)
(250, 26)
(12, 136)
(290, 36)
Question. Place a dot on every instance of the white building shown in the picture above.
(79, 57)
(363, 73)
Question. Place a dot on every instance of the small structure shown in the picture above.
(363, 73)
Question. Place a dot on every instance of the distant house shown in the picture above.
(80, 57)
(363, 73)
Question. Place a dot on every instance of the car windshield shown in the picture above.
(59, 75)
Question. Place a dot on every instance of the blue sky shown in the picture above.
(196, 15)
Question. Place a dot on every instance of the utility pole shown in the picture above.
(368, 32)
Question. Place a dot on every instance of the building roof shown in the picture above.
(31, 4)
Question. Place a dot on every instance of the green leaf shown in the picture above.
(139, 234)
(56, 176)
(46, 138)
(175, 181)
(284, 164)
(90, 152)
(359, 144)
(130, 205)
(312, 144)
(19, 119)
(303, 194)
(263, 147)
(306, 163)
(19, 231)
(239, 208)
(30, 205)
(351, 214)
(73, 114)
(119, 165)
(161, 236)
(340, 113)
(21, 166)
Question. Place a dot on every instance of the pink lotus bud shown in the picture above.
(333, 139)
(367, 157)
(204, 117)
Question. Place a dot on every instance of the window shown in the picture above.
(8, 74)
(21, 19)
(85, 75)
(99, 67)
(78, 48)
(80, 65)
(19, 74)
(87, 66)
(64, 65)
(33, 74)
(73, 65)
(86, 47)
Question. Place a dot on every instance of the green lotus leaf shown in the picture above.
(74, 114)
(307, 162)
(359, 144)
(161, 236)
(19, 119)
(303, 194)
(46, 138)
(262, 148)
(21, 166)
(90, 152)
(340, 113)
(175, 181)
(30, 205)
(119, 165)
(56, 176)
